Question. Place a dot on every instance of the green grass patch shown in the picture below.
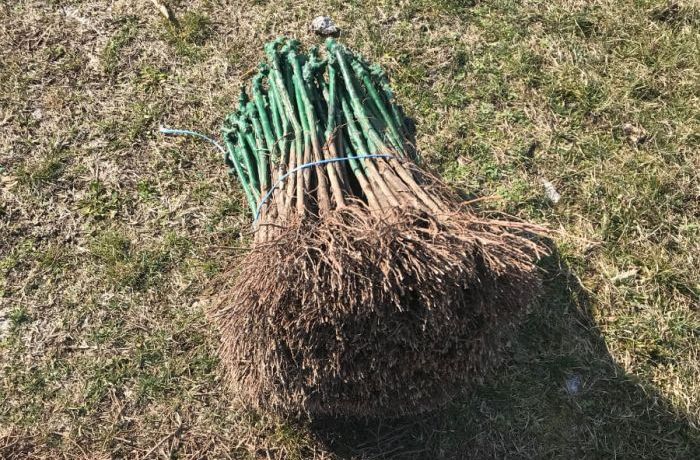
(137, 268)
(188, 34)
(112, 52)
(38, 175)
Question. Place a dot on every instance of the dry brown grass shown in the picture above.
(108, 232)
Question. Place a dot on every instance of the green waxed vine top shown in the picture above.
(305, 108)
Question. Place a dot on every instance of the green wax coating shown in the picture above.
(262, 151)
(285, 99)
(356, 104)
(252, 202)
(276, 124)
(330, 122)
(361, 72)
(262, 111)
(355, 134)
(284, 121)
(245, 140)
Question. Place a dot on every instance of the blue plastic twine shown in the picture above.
(308, 165)
(186, 132)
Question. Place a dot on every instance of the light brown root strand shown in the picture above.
(379, 184)
(336, 188)
(408, 179)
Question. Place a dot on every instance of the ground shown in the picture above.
(109, 231)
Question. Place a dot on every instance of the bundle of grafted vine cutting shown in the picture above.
(370, 288)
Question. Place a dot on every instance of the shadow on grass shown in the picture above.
(558, 394)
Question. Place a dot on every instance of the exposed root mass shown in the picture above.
(355, 314)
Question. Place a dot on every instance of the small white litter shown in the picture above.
(324, 25)
(550, 191)
(573, 384)
(624, 276)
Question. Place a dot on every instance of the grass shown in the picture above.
(111, 54)
(110, 232)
